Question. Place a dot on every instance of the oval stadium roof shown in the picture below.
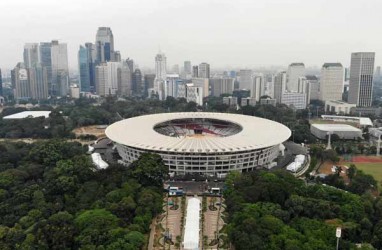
(256, 133)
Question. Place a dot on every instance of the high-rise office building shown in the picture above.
(1, 84)
(204, 70)
(221, 86)
(332, 81)
(161, 74)
(295, 70)
(101, 79)
(172, 83)
(137, 86)
(84, 69)
(60, 70)
(130, 63)
(107, 76)
(91, 57)
(195, 71)
(38, 82)
(22, 88)
(191, 93)
(294, 99)
(46, 61)
(30, 54)
(124, 81)
(203, 83)
(105, 45)
(149, 83)
(245, 79)
(257, 87)
(187, 67)
(304, 87)
(361, 78)
(347, 74)
(279, 86)
(117, 56)
(314, 86)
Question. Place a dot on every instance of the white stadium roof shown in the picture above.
(256, 133)
(26, 114)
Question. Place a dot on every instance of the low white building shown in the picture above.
(230, 100)
(339, 107)
(28, 114)
(343, 131)
(248, 101)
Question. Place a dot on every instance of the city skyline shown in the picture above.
(321, 34)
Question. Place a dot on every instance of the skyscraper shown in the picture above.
(195, 71)
(38, 82)
(22, 88)
(101, 79)
(332, 81)
(361, 78)
(187, 67)
(30, 54)
(125, 81)
(295, 70)
(60, 70)
(245, 79)
(105, 45)
(46, 61)
(279, 86)
(84, 69)
(161, 74)
(149, 83)
(92, 55)
(117, 56)
(137, 82)
(314, 87)
(107, 78)
(257, 87)
(204, 70)
(221, 86)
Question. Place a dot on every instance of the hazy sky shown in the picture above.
(237, 33)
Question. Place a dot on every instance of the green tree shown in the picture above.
(150, 170)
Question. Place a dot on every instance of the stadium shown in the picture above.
(201, 143)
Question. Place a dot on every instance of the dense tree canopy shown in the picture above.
(273, 210)
(51, 197)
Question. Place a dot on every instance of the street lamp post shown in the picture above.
(338, 236)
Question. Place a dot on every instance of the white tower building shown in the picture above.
(295, 70)
(332, 80)
(361, 78)
(160, 75)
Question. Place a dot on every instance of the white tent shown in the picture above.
(98, 162)
(191, 230)
(294, 166)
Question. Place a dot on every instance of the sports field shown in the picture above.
(374, 169)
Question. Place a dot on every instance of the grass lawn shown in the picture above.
(374, 169)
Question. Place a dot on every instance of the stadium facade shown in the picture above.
(200, 142)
